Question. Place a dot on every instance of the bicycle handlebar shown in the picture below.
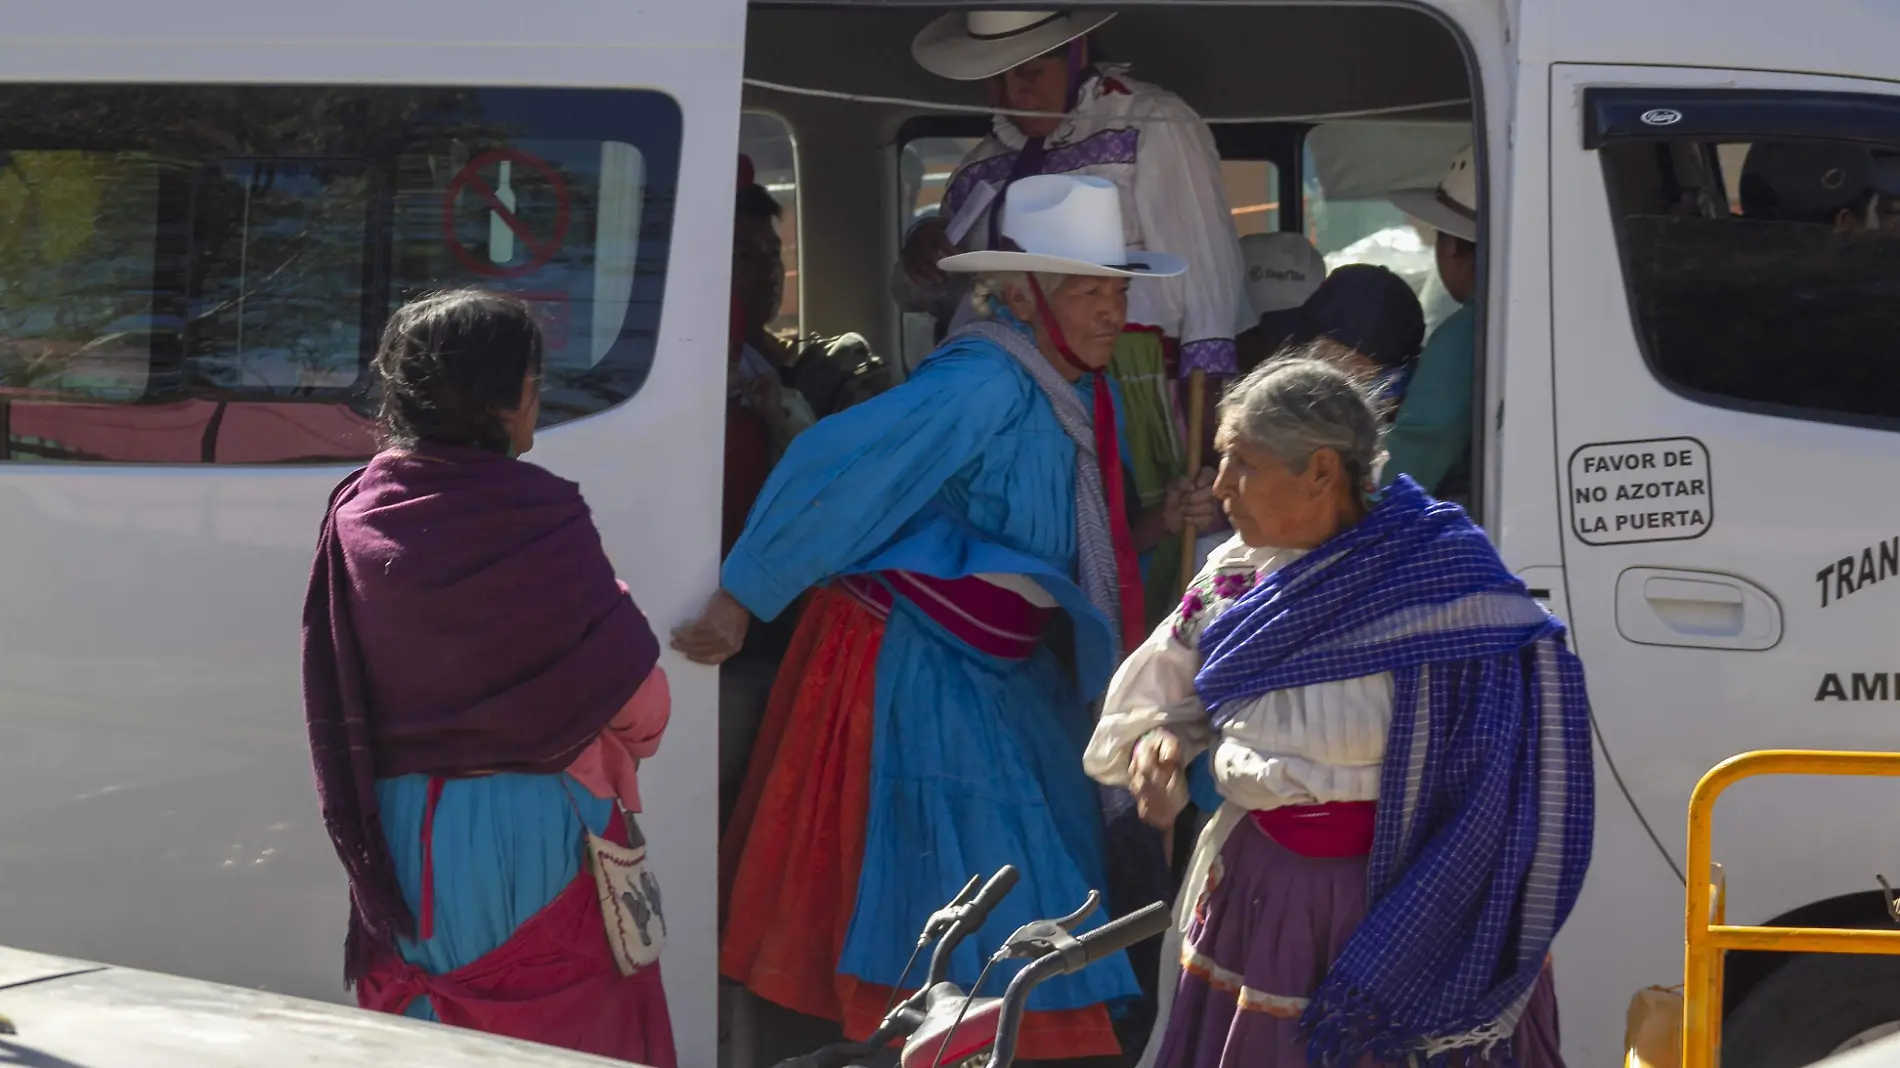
(1104, 941)
(970, 918)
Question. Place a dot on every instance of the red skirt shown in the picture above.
(792, 854)
(554, 981)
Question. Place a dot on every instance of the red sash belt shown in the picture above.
(983, 615)
(1335, 829)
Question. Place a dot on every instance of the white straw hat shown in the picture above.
(969, 46)
(1453, 206)
(1065, 224)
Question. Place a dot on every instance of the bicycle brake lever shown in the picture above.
(941, 919)
(1050, 937)
(1073, 919)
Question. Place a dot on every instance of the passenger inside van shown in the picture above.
(1082, 115)
(1283, 270)
(1829, 183)
(765, 364)
(1368, 323)
(1431, 437)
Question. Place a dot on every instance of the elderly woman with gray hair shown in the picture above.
(1394, 740)
(922, 730)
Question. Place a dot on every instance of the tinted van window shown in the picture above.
(196, 274)
(1751, 286)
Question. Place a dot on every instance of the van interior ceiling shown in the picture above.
(1375, 64)
(1319, 110)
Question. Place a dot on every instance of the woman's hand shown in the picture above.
(717, 634)
(1156, 779)
(1191, 504)
(929, 243)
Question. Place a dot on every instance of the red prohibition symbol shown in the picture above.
(541, 247)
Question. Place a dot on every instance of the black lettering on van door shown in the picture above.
(1831, 689)
(1870, 687)
(1875, 564)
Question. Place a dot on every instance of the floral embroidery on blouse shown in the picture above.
(1208, 597)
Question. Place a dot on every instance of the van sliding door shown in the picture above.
(1726, 319)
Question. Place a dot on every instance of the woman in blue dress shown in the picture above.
(922, 729)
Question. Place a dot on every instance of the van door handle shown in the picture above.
(1696, 609)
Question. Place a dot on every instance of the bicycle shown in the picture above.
(943, 1027)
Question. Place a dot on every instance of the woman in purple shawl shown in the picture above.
(479, 691)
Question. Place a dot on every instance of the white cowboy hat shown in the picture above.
(1453, 206)
(1065, 224)
(969, 46)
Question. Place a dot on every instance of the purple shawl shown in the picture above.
(462, 617)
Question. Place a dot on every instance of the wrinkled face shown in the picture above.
(1042, 84)
(1089, 311)
(758, 268)
(1271, 505)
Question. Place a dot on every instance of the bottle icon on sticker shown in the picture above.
(501, 236)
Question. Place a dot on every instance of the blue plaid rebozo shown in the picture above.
(1485, 797)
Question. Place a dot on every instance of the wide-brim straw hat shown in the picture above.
(969, 46)
(1453, 206)
(1065, 224)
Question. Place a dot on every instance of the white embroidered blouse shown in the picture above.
(1162, 157)
(1304, 746)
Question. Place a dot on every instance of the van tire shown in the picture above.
(1804, 1010)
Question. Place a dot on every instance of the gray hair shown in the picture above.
(998, 285)
(1295, 406)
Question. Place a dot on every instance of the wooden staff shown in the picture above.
(1197, 415)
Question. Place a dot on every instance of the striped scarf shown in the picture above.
(1095, 546)
(1486, 796)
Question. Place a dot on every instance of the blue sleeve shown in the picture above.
(848, 484)
(1201, 789)
(1433, 428)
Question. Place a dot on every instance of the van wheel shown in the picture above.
(1814, 1006)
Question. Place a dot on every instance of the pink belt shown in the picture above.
(983, 615)
(1335, 829)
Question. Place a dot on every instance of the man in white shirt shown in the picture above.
(1091, 118)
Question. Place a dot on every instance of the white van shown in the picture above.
(206, 208)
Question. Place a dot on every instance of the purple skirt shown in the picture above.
(1263, 934)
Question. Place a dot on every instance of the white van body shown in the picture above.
(155, 798)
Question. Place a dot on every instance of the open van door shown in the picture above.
(1727, 384)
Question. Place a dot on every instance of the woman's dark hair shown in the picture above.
(450, 364)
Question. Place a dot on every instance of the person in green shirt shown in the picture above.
(1431, 438)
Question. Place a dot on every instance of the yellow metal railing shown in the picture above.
(1708, 934)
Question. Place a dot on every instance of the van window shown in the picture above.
(196, 274)
(767, 141)
(1253, 194)
(1747, 299)
(1371, 230)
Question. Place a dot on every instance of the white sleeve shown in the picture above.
(1154, 687)
(1183, 206)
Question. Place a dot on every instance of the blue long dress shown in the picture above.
(976, 760)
